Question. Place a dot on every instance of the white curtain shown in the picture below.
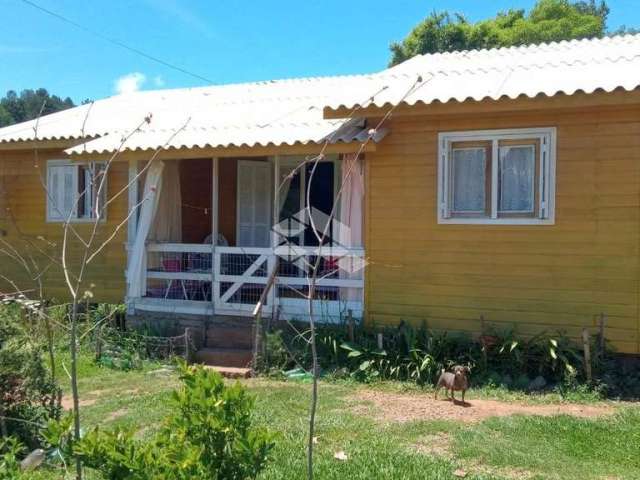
(167, 224)
(469, 167)
(351, 212)
(517, 176)
(136, 275)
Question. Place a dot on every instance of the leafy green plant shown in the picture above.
(209, 435)
(10, 449)
(371, 363)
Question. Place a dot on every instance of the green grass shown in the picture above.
(498, 448)
(563, 447)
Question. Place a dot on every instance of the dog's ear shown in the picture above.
(467, 370)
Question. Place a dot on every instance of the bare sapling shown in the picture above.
(76, 272)
(313, 268)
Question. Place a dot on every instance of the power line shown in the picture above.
(115, 41)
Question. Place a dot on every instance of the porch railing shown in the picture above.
(230, 280)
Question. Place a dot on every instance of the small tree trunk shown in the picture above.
(314, 389)
(74, 381)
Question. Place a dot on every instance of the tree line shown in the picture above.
(547, 21)
(16, 108)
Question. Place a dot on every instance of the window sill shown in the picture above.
(496, 221)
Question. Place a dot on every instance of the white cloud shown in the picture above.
(129, 83)
(158, 81)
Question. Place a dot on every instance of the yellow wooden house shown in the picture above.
(501, 185)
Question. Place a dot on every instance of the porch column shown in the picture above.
(215, 257)
(214, 201)
(272, 298)
(132, 224)
(276, 200)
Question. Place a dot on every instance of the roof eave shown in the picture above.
(311, 148)
(579, 99)
(44, 144)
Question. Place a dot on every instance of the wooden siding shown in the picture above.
(526, 277)
(25, 197)
(227, 191)
(195, 187)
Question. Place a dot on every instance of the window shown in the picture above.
(497, 176)
(73, 190)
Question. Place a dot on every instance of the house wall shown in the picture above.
(227, 191)
(25, 197)
(528, 277)
(195, 188)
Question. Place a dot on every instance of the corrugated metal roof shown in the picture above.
(282, 112)
(547, 69)
(289, 112)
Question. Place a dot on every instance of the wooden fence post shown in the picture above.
(350, 326)
(586, 343)
(187, 346)
(380, 342)
(99, 343)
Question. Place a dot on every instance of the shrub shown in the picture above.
(28, 396)
(419, 355)
(209, 435)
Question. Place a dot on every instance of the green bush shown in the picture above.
(208, 435)
(28, 396)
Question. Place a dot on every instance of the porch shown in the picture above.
(211, 234)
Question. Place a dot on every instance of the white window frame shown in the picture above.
(49, 194)
(546, 163)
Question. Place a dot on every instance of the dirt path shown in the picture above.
(397, 407)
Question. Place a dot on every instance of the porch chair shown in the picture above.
(174, 265)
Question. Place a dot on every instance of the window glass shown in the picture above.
(517, 179)
(73, 190)
(469, 166)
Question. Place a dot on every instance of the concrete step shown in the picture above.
(230, 337)
(224, 357)
(231, 372)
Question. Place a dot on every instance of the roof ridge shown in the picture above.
(256, 83)
(531, 46)
(532, 66)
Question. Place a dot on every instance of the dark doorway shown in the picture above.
(321, 197)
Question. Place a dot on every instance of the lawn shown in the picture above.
(390, 431)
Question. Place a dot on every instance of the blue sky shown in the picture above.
(225, 41)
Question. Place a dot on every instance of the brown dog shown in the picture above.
(456, 381)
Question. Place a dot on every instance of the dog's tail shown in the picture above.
(442, 371)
